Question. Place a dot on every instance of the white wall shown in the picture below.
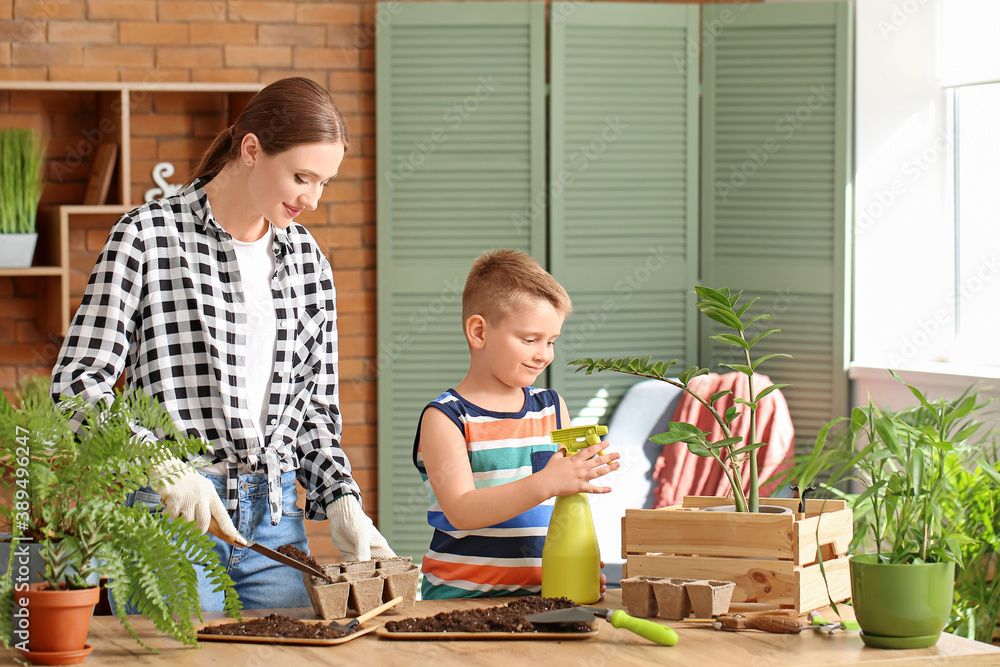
(904, 244)
(904, 314)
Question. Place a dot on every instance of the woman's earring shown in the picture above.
(248, 164)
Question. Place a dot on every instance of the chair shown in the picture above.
(645, 410)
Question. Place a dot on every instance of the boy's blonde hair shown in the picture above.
(502, 280)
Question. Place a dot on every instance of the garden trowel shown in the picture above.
(651, 630)
(214, 529)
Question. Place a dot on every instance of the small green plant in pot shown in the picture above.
(67, 486)
(975, 610)
(910, 467)
(22, 155)
(732, 452)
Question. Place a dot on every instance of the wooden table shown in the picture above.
(701, 647)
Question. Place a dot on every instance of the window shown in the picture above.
(976, 172)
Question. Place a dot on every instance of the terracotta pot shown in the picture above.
(54, 621)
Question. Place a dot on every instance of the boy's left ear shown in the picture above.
(475, 331)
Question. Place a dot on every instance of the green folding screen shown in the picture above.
(622, 191)
(776, 164)
(461, 149)
(623, 184)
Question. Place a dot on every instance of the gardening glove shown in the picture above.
(353, 533)
(188, 495)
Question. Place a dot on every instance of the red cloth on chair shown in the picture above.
(679, 473)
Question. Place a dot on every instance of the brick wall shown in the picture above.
(208, 41)
(211, 41)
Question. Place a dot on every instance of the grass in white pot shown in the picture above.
(22, 155)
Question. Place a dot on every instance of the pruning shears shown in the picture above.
(829, 627)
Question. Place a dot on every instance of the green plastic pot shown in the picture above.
(901, 606)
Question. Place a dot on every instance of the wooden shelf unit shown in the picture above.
(151, 122)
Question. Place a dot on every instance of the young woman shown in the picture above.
(216, 302)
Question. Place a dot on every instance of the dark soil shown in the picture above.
(279, 627)
(293, 551)
(503, 618)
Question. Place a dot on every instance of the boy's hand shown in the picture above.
(567, 475)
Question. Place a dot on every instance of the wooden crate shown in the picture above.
(771, 557)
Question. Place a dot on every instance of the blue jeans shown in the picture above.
(260, 582)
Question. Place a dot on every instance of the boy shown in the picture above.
(483, 449)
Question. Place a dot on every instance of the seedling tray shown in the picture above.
(382, 632)
(284, 640)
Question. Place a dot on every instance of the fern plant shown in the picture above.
(69, 467)
(732, 452)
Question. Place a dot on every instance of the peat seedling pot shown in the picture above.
(710, 597)
(672, 600)
(638, 597)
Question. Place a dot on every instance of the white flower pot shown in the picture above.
(17, 250)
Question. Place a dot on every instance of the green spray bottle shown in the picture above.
(571, 558)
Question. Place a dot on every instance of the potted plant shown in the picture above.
(66, 488)
(733, 451)
(975, 611)
(22, 154)
(772, 558)
(916, 469)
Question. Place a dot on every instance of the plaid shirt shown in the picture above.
(165, 301)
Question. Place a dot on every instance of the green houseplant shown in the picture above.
(66, 488)
(22, 154)
(917, 469)
(731, 452)
(975, 611)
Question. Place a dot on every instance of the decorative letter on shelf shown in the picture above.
(161, 172)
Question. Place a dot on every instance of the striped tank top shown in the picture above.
(505, 558)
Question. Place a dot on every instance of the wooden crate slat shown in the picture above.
(811, 589)
(836, 530)
(709, 533)
(817, 505)
(757, 580)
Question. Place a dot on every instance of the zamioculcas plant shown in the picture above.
(732, 452)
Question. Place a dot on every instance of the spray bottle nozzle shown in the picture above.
(578, 437)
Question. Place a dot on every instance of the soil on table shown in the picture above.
(277, 626)
(293, 551)
(503, 618)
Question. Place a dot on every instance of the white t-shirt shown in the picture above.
(256, 262)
